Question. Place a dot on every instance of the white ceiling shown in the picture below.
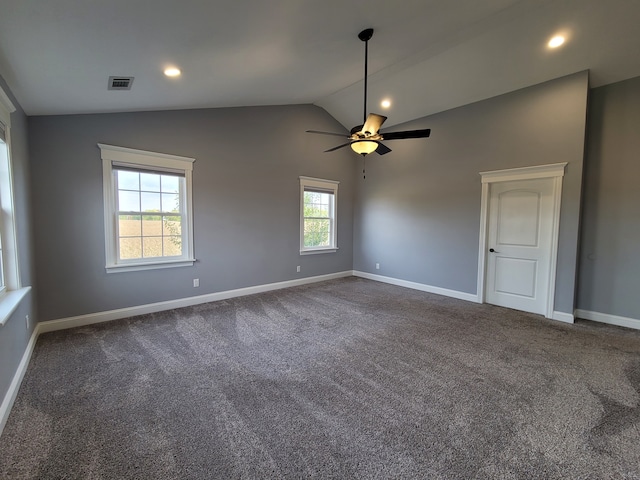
(426, 55)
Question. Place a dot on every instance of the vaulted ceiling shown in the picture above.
(425, 56)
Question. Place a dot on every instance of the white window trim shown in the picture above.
(14, 292)
(123, 155)
(328, 185)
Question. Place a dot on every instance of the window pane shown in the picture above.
(150, 182)
(317, 204)
(151, 225)
(130, 248)
(152, 247)
(128, 180)
(129, 225)
(1, 266)
(317, 233)
(170, 202)
(170, 184)
(172, 246)
(150, 202)
(128, 201)
(172, 225)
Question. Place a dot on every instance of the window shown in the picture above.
(147, 208)
(4, 159)
(11, 290)
(9, 278)
(318, 206)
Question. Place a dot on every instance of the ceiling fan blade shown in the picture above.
(328, 133)
(382, 149)
(338, 147)
(373, 123)
(406, 134)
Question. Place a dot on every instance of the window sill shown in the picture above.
(134, 267)
(315, 251)
(10, 301)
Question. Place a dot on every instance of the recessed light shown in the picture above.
(386, 103)
(556, 41)
(172, 72)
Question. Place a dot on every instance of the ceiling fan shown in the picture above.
(367, 138)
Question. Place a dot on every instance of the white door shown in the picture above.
(520, 230)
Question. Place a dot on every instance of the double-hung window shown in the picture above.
(9, 273)
(318, 219)
(148, 209)
(11, 290)
(4, 159)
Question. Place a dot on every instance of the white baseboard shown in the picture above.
(562, 317)
(607, 318)
(98, 317)
(12, 392)
(470, 297)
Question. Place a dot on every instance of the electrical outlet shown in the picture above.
(298, 269)
(26, 319)
(196, 282)
(377, 266)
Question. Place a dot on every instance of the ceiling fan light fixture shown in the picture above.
(364, 147)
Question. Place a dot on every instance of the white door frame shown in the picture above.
(554, 171)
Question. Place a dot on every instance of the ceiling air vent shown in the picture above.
(120, 83)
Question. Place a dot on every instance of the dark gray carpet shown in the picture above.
(342, 379)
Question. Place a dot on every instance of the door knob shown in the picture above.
(493, 251)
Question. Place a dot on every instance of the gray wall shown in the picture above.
(610, 242)
(246, 202)
(13, 335)
(418, 211)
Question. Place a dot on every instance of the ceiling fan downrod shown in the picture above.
(365, 36)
